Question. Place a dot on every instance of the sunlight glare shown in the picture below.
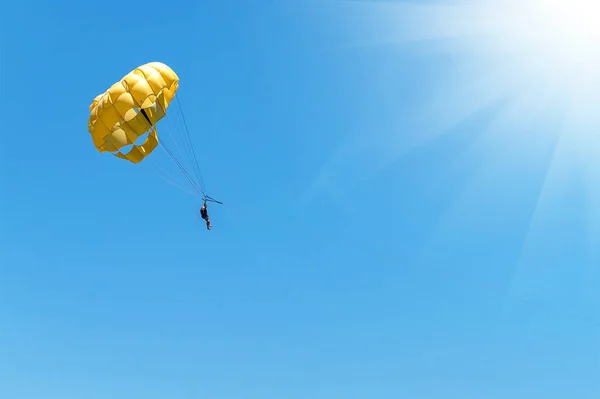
(558, 39)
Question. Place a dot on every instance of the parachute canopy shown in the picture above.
(130, 109)
(123, 121)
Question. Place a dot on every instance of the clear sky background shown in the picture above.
(411, 210)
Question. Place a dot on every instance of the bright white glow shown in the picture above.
(543, 56)
(538, 44)
(535, 64)
(538, 59)
(566, 22)
(558, 41)
(534, 67)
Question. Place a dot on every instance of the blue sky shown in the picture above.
(409, 212)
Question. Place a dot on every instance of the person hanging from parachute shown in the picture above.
(204, 214)
(204, 210)
(130, 109)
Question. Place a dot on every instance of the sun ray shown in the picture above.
(538, 159)
(540, 50)
(552, 42)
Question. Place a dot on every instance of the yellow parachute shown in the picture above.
(131, 108)
(123, 120)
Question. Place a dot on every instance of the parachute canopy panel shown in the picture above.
(131, 108)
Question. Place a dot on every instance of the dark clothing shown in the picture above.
(204, 214)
